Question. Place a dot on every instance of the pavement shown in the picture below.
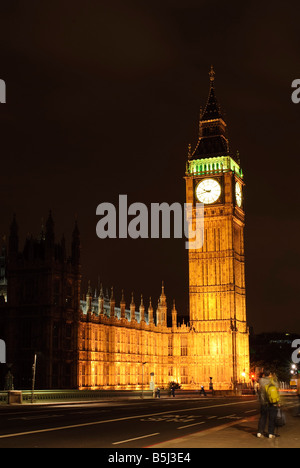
(242, 434)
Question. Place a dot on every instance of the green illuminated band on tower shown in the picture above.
(213, 165)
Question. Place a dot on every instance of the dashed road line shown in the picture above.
(135, 438)
(190, 425)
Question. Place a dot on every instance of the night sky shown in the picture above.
(103, 99)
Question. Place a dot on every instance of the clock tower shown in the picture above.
(217, 270)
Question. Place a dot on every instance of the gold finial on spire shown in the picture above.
(212, 74)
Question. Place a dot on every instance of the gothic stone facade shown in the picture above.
(42, 309)
(94, 344)
(126, 349)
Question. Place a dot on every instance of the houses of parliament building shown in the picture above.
(91, 342)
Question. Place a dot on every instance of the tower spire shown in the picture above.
(142, 310)
(212, 75)
(112, 303)
(213, 140)
(150, 313)
(13, 246)
(132, 309)
(50, 228)
(101, 301)
(174, 315)
(122, 305)
(76, 245)
(212, 109)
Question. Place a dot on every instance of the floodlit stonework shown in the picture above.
(94, 343)
(114, 344)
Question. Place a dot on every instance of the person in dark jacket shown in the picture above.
(268, 408)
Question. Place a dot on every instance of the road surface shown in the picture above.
(117, 424)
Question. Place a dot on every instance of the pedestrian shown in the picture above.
(202, 391)
(173, 391)
(158, 392)
(269, 403)
(211, 386)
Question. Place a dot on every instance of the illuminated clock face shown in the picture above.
(208, 191)
(238, 194)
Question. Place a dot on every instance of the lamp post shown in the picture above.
(143, 363)
(33, 378)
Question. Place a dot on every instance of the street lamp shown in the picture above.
(293, 369)
(143, 363)
(33, 378)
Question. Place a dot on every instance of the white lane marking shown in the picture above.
(230, 416)
(29, 418)
(190, 425)
(136, 438)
